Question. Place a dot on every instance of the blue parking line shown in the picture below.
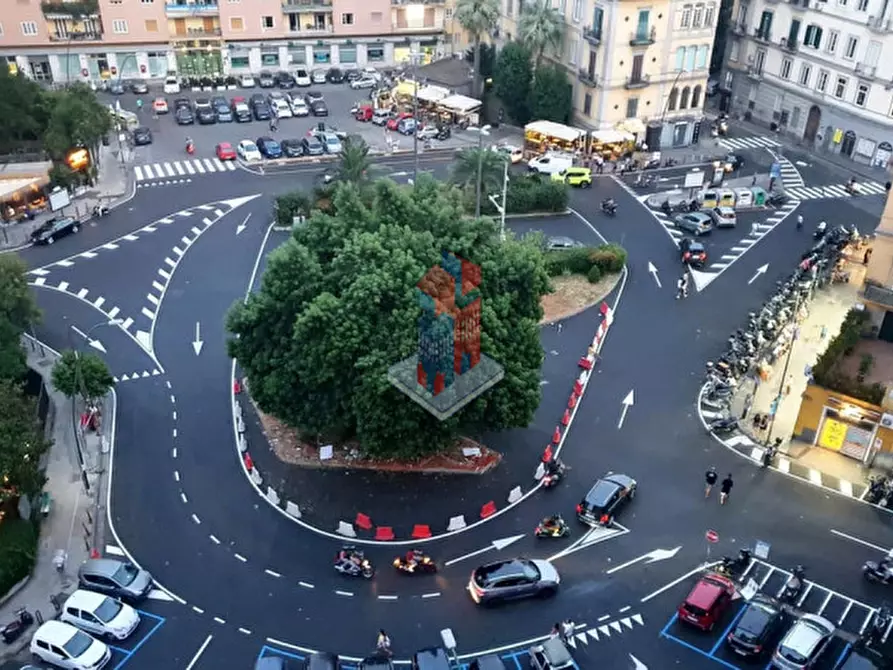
(725, 633)
(267, 650)
(843, 654)
(688, 645)
(128, 653)
(514, 657)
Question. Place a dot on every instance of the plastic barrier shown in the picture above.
(456, 523)
(556, 436)
(566, 417)
(384, 533)
(515, 495)
(249, 463)
(488, 510)
(363, 521)
(346, 529)
(420, 531)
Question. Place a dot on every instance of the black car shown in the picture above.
(319, 108)
(285, 81)
(116, 88)
(241, 111)
(53, 229)
(353, 74)
(184, 116)
(182, 102)
(206, 116)
(693, 253)
(757, 628)
(261, 111)
(335, 76)
(268, 147)
(311, 146)
(862, 657)
(606, 498)
(292, 148)
(223, 112)
(256, 98)
(141, 136)
(266, 80)
(139, 86)
(432, 658)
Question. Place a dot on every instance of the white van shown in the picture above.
(65, 646)
(171, 85)
(380, 117)
(100, 615)
(550, 163)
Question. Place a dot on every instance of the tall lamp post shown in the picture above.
(482, 133)
(501, 207)
(414, 58)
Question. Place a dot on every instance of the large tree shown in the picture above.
(512, 80)
(472, 161)
(541, 28)
(551, 97)
(22, 442)
(18, 312)
(77, 120)
(338, 306)
(82, 374)
(478, 17)
(354, 163)
(24, 109)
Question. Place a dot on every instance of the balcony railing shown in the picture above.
(418, 27)
(199, 8)
(310, 29)
(789, 45)
(878, 24)
(594, 37)
(800, 5)
(295, 6)
(739, 29)
(865, 71)
(879, 295)
(196, 34)
(77, 36)
(762, 35)
(588, 78)
(754, 72)
(639, 81)
(643, 38)
(70, 9)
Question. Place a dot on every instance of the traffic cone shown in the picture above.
(572, 401)
(237, 387)
(556, 436)
(94, 553)
(547, 454)
(578, 388)
(566, 419)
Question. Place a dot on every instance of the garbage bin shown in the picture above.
(105, 140)
(759, 196)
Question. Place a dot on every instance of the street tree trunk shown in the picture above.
(477, 67)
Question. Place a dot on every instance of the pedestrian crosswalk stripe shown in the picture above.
(189, 168)
(835, 191)
(171, 169)
(753, 142)
(199, 167)
(179, 167)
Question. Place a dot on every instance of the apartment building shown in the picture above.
(816, 70)
(92, 40)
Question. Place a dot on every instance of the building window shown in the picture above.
(862, 95)
(29, 28)
(147, 2)
(587, 104)
(267, 23)
(852, 43)
(578, 10)
(685, 20)
(151, 25)
(690, 55)
(680, 59)
(840, 87)
(709, 16)
(672, 100)
(347, 19)
(805, 72)
(764, 31)
(375, 54)
(683, 100)
(572, 52)
(785, 70)
(833, 39)
(735, 51)
(598, 19)
(701, 60)
(821, 83)
(862, 6)
(562, 8)
(632, 108)
(697, 17)
(119, 27)
(696, 97)
(813, 37)
(239, 62)
(236, 24)
(447, 13)
(508, 7)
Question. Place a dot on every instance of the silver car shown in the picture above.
(696, 223)
(561, 242)
(513, 579)
(724, 217)
(803, 643)
(119, 579)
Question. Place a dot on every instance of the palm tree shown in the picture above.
(355, 162)
(471, 161)
(478, 17)
(541, 27)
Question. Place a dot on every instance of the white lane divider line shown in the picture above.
(98, 303)
(184, 498)
(431, 595)
(306, 585)
(127, 323)
(245, 631)
(347, 594)
(198, 610)
(272, 573)
(176, 475)
(196, 519)
(239, 557)
(859, 540)
(214, 539)
(387, 597)
(219, 620)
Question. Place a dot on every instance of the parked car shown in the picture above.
(282, 109)
(138, 86)
(55, 228)
(262, 111)
(514, 154)
(606, 498)
(318, 77)
(380, 117)
(707, 602)
(248, 151)
(431, 658)
(756, 629)
(223, 112)
(724, 217)
(313, 96)
(120, 579)
(425, 132)
(696, 223)
(488, 662)
(292, 148)
(394, 121)
(364, 81)
(241, 111)
(552, 654)
(171, 85)
(574, 176)
(184, 116)
(302, 77)
(352, 74)
(331, 142)
(407, 126)
(225, 151)
(202, 103)
(206, 115)
(141, 136)
(268, 147)
(313, 146)
(247, 81)
(378, 661)
(560, 242)
(279, 663)
(100, 615)
(285, 81)
(182, 102)
(802, 645)
(64, 646)
(512, 579)
(257, 99)
(266, 80)
(115, 87)
(159, 105)
(693, 253)
(319, 108)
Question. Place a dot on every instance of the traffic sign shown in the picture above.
(712, 536)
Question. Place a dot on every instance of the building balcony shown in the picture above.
(640, 81)
(878, 24)
(739, 29)
(295, 6)
(196, 34)
(643, 38)
(70, 9)
(755, 73)
(764, 36)
(877, 294)
(789, 45)
(310, 30)
(588, 78)
(403, 3)
(76, 36)
(799, 5)
(592, 36)
(198, 8)
(865, 71)
(430, 26)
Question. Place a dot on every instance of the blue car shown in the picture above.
(269, 148)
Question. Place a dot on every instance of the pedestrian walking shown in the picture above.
(556, 630)
(567, 629)
(753, 229)
(799, 221)
(710, 478)
(682, 287)
(725, 488)
(383, 644)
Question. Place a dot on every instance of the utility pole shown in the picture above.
(414, 58)
(501, 207)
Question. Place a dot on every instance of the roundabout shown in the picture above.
(244, 549)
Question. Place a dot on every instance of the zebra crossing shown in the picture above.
(835, 191)
(751, 142)
(181, 171)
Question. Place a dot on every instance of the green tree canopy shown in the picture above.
(338, 306)
(22, 441)
(512, 80)
(24, 108)
(468, 161)
(18, 312)
(551, 97)
(478, 17)
(77, 119)
(355, 163)
(82, 374)
(541, 27)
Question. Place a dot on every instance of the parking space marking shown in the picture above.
(129, 653)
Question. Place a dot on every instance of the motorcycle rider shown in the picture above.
(383, 643)
(553, 523)
(682, 287)
(190, 146)
(799, 221)
(609, 205)
(413, 558)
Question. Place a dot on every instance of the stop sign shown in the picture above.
(712, 536)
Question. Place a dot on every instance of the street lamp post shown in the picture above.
(414, 58)
(501, 208)
(482, 132)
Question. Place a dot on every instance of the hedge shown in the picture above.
(825, 372)
(606, 258)
(18, 551)
(531, 193)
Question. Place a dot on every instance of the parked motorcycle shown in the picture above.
(419, 564)
(14, 629)
(794, 586)
(553, 526)
(100, 210)
(875, 571)
(880, 624)
(732, 567)
(353, 563)
(724, 425)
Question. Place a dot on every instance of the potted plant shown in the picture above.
(232, 83)
(207, 84)
(219, 83)
(195, 85)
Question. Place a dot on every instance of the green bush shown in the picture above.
(18, 551)
(825, 372)
(290, 205)
(607, 258)
(594, 274)
(530, 193)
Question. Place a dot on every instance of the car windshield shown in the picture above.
(601, 493)
(126, 574)
(108, 610)
(249, 147)
(332, 140)
(695, 247)
(272, 145)
(78, 644)
(491, 575)
(793, 656)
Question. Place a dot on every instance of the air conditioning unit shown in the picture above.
(887, 420)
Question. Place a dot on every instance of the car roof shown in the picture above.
(725, 210)
(225, 145)
(85, 600)
(707, 589)
(376, 662)
(322, 660)
(806, 633)
(101, 566)
(579, 169)
(56, 632)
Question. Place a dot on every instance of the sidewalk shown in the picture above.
(112, 183)
(75, 518)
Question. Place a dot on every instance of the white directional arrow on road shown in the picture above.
(498, 545)
(197, 343)
(650, 557)
(96, 344)
(653, 271)
(628, 402)
(760, 271)
(242, 226)
(637, 664)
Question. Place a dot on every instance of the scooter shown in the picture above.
(723, 426)
(554, 474)
(794, 587)
(100, 210)
(423, 565)
(359, 568)
(820, 231)
(14, 629)
(558, 528)
(767, 456)
(874, 571)
(880, 624)
(190, 148)
(609, 209)
(733, 566)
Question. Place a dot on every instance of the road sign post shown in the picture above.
(712, 538)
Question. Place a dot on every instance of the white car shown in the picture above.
(372, 72)
(281, 108)
(100, 615)
(363, 82)
(171, 85)
(248, 151)
(299, 107)
(804, 642)
(428, 133)
(514, 154)
(550, 163)
(65, 646)
(331, 142)
(247, 81)
(302, 77)
(318, 77)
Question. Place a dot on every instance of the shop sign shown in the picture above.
(887, 420)
(833, 434)
(837, 138)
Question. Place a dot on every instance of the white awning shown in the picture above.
(10, 186)
(460, 103)
(611, 136)
(556, 130)
(433, 93)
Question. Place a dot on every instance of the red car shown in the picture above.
(707, 602)
(225, 152)
(395, 121)
(364, 113)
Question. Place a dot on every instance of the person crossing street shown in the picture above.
(682, 287)
(710, 479)
(725, 488)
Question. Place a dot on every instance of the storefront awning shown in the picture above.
(433, 93)
(634, 126)
(9, 187)
(405, 88)
(612, 136)
(557, 130)
(460, 103)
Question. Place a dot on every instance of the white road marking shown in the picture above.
(111, 246)
(219, 620)
(113, 312)
(214, 539)
(679, 580)
(63, 286)
(40, 281)
(113, 550)
(199, 167)
(176, 475)
(272, 573)
(198, 610)
(83, 293)
(431, 595)
(151, 298)
(189, 168)
(345, 593)
(169, 169)
(170, 263)
(178, 251)
(239, 557)
(183, 497)
(196, 519)
(306, 585)
(148, 314)
(139, 173)
(245, 631)
(387, 597)
(158, 286)
(98, 302)
(164, 273)
(209, 165)
(127, 323)
(179, 168)
(857, 540)
(186, 241)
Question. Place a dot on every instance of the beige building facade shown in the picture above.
(92, 40)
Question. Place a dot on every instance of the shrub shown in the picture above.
(290, 205)
(826, 374)
(18, 551)
(529, 193)
(594, 274)
(609, 257)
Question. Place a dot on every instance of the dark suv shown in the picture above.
(55, 228)
(757, 628)
(285, 81)
(606, 498)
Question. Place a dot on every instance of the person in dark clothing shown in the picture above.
(725, 488)
(710, 478)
